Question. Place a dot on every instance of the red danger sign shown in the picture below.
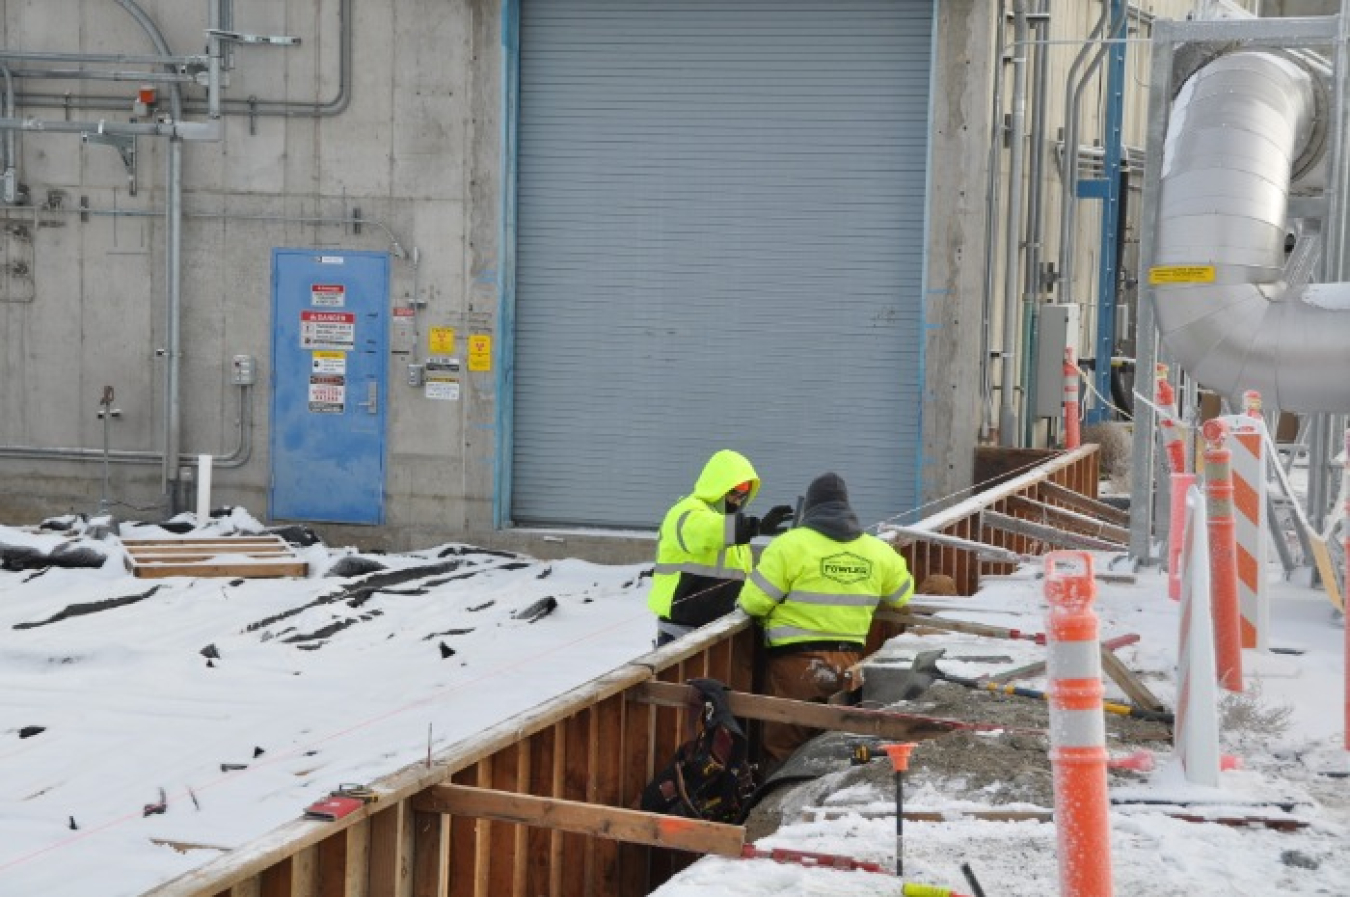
(328, 330)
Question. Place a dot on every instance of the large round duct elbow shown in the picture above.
(1240, 129)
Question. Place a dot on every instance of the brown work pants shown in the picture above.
(806, 676)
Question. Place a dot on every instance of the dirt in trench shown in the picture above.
(987, 768)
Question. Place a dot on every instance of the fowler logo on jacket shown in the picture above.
(845, 568)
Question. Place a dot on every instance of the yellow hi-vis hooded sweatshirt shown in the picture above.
(818, 584)
(699, 565)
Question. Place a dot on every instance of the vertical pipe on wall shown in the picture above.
(1069, 161)
(9, 190)
(1334, 268)
(506, 267)
(1142, 479)
(1035, 194)
(173, 214)
(1110, 217)
(1007, 418)
(991, 228)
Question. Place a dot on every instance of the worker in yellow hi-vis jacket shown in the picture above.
(814, 592)
(703, 549)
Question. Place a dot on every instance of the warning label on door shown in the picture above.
(328, 363)
(330, 295)
(335, 330)
(327, 393)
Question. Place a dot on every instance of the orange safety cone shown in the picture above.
(1223, 571)
(1077, 727)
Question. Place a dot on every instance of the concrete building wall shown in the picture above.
(415, 154)
(416, 147)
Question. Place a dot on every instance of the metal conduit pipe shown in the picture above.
(1240, 129)
(1007, 414)
(247, 107)
(1068, 208)
(1035, 193)
(238, 456)
(172, 350)
(9, 190)
(991, 220)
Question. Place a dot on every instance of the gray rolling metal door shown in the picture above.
(719, 244)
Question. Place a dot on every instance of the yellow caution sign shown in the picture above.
(441, 341)
(480, 352)
(1181, 274)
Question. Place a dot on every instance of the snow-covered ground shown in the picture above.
(244, 700)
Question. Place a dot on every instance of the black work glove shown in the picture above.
(747, 528)
(774, 522)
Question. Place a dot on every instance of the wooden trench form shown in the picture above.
(545, 803)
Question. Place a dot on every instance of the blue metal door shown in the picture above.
(330, 340)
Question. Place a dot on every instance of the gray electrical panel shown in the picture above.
(1058, 328)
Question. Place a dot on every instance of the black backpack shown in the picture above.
(710, 777)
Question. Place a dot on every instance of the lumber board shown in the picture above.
(1129, 683)
(1035, 669)
(836, 717)
(1082, 503)
(259, 570)
(1066, 519)
(1049, 534)
(612, 823)
(391, 851)
(945, 625)
(238, 556)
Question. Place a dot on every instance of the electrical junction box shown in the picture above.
(1057, 328)
(416, 374)
(243, 371)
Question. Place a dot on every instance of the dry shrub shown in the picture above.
(1116, 442)
(1246, 718)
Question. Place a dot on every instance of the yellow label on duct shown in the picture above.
(1181, 274)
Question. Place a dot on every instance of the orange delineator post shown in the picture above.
(1072, 429)
(1251, 403)
(1166, 399)
(1176, 532)
(1077, 727)
(1223, 576)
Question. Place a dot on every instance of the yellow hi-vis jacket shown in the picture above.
(810, 588)
(699, 566)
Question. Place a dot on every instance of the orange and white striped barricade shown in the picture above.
(1195, 733)
(1247, 448)
(1072, 428)
(1223, 554)
(1077, 727)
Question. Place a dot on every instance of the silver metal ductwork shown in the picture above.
(1232, 302)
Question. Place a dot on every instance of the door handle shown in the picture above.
(372, 402)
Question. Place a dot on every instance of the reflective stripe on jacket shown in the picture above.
(810, 588)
